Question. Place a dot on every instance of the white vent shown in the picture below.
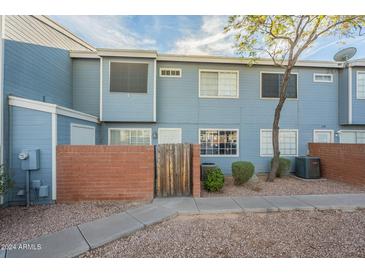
(170, 72)
(324, 78)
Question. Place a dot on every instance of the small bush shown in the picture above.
(284, 167)
(242, 171)
(214, 180)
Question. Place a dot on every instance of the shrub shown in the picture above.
(242, 171)
(284, 167)
(214, 180)
(6, 181)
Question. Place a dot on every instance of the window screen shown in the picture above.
(218, 84)
(287, 142)
(130, 136)
(352, 137)
(270, 85)
(128, 77)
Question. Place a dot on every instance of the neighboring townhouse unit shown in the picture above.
(59, 90)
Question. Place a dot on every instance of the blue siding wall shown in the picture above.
(86, 85)
(121, 106)
(358, 105)
(343, 98)
(64, 129)
(30, 129)
(178, 105)
(38, 72)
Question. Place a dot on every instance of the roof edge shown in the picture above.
(53, 24)
(130, 53)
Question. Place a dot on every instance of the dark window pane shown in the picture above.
(291, 91)
(128, 77)
(270, 85)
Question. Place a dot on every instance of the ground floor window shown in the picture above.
(129, 136)
(220, 142)
(323, 136)
(352, 137)
(288, 142)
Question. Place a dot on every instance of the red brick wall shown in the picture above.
(105, 172)
(196, 171)
(341, 162)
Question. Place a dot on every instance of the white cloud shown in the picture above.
(208, 39)
(106, 31)
(326, 48)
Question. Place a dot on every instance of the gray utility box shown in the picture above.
(307, 167)
(29, 159)
(204, 168)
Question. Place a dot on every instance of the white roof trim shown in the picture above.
(194, 58)
(127, 53)
(83, 54)
(239, 60)
(61, 29)
(50, 108)
(357, 63)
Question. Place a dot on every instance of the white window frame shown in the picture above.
(278, 72)
(322, 74)
(82, 126)
(122, 128)
(171, 76)
(325, 130)
(281, 130)
(349, 130)
(357, 85)
(170, 128)
(222, 129)
(218, 71)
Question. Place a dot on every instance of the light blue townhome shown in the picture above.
(57, 89)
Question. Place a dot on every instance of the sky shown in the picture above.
(199, 35)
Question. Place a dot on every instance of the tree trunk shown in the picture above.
(275, 126)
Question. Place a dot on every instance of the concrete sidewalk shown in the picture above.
(76, 240)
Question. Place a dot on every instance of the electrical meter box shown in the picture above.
(30, 159)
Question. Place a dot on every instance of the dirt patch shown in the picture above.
(281, 234)
(19, 223)
(284, 186)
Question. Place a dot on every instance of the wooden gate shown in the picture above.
(173, 169)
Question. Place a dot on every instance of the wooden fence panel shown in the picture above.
(173, 162)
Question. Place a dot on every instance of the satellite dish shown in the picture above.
(345, 54)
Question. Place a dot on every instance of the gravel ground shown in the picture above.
(284, 186)
(282, 234)
(19, 223)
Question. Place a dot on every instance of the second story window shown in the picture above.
(270, 85)
(128, 77)
(170, 72)
(218, 84)
(360, 87)
(323, 78)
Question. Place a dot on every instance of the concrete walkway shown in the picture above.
(76, 240)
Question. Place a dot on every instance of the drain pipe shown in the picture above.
(27, 187)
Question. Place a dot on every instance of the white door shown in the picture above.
(169, 135)
(323, 136)
(82, 135)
